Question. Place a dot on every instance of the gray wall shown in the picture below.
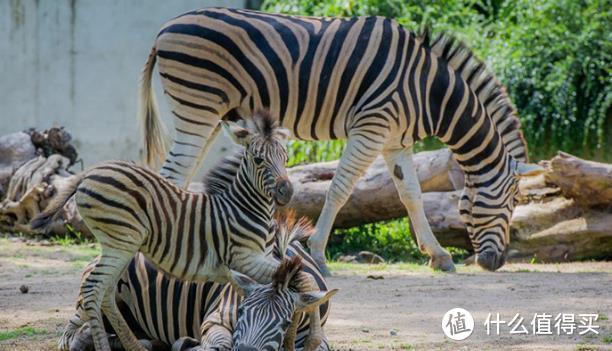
(76, 63)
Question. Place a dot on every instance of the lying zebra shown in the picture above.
(163, 310)
(192, 236)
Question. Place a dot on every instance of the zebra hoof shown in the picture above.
(443, 263)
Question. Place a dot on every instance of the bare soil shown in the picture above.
(401, 311)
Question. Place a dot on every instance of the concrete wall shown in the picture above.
(76, 63)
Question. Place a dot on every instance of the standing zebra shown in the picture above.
(169, 311)
(192, 236)
(364, 79)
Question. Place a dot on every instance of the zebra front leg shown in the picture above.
(407, 184)
(361, 150)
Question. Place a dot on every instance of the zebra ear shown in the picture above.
(309, 300)
(283, 134)
(242, 283)
(239, 135)
(528, 169)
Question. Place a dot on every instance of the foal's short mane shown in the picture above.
(286, 271)
(222, 175)
(489, 90)
(264, 123)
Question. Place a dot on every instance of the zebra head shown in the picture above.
(266, 311)
(487, 211)
(265, 155)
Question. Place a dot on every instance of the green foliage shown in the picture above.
(552, 55)
(389, 239)
(19, 332)
(300, 152)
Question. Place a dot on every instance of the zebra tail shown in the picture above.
(154, 133)
(58, 202)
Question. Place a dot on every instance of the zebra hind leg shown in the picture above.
(102, 278)
(406, 182)
(193, 137)
(124, 333)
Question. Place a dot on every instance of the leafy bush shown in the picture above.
(554, 57)
(389, 239)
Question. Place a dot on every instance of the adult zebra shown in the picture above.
(166, 311)
(192, 236)
(366, 79)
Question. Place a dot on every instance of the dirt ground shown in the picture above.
(401, 311)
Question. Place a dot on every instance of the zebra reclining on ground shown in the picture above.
(164, 310)
(192, 236)
(365, 79)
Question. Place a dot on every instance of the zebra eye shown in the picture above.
(258, 160)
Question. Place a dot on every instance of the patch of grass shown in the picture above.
(607, 339)
(603, 317)
(22, 331)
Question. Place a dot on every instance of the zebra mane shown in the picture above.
(485, 85)
(288, 229)
(220, 177)
(264, 123)
(286, 272)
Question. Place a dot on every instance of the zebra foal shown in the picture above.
(194, 316)
(192, 236)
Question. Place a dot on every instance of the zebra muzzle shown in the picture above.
(283, 192)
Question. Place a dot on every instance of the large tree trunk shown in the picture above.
(374, 197)
(587, 182)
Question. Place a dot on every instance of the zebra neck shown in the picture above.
(445, 106)
(244, 193)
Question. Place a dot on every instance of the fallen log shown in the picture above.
(374, 197)
(587, 182)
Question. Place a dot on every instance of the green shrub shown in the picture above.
(389, 239)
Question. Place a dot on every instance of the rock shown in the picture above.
(361, 257)
(393, 332)
(24, 289)
(369, 257)
(347, 259)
